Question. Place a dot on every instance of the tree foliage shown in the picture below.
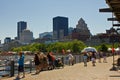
(75, 46)
(103, 47)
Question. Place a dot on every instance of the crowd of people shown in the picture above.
(92, 56)
(41, 61)
(50, 61)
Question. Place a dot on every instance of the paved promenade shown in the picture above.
(77, 72)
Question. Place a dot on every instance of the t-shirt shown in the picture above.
(70, 56)
(21, 60)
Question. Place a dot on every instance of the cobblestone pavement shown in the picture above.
(77, 72)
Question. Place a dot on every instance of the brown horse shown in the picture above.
(43, 61)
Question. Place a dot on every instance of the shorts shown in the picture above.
(20, 68)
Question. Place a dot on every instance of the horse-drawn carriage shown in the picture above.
(45, 64)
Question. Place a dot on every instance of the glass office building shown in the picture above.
(20, 27)
(60, 27)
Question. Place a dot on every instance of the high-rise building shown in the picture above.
(1, 46)
(20, 27)
(26, 36)
(60, 27)
(7, 40)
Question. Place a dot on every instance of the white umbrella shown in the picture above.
(117, 49)
(109, 49)
(89, 49)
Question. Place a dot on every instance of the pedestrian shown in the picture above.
(51, 60)
(71, 59)
(93, 58)
(104, 57)
(99, 56)
(37, 63)
(21, 64)
(85, 57)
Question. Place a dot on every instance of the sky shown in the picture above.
(39, 14)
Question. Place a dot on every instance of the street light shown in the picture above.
(113, 51)
(113, 40)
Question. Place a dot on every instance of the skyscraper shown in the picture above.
(20, 27)
(7, 40)
(60, 27)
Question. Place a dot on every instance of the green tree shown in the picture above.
(77, 46)
(103, 48)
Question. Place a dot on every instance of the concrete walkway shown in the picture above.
(77, 72)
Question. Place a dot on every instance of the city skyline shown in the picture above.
(39, 14)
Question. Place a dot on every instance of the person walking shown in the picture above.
(104, 57)
(85, 57)
(21, 65)
(99, 56)
(71, 59)
(37, 63)
(93, 58)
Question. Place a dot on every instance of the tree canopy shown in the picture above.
(75, 46)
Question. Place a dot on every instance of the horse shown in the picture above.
(43, 61)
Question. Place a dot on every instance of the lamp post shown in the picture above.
(113, 51)
(112, 39)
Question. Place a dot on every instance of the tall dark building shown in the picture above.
(7, 40)
(20, 27)
(60, 27)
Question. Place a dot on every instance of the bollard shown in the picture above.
(30, 65)
(12, 68)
